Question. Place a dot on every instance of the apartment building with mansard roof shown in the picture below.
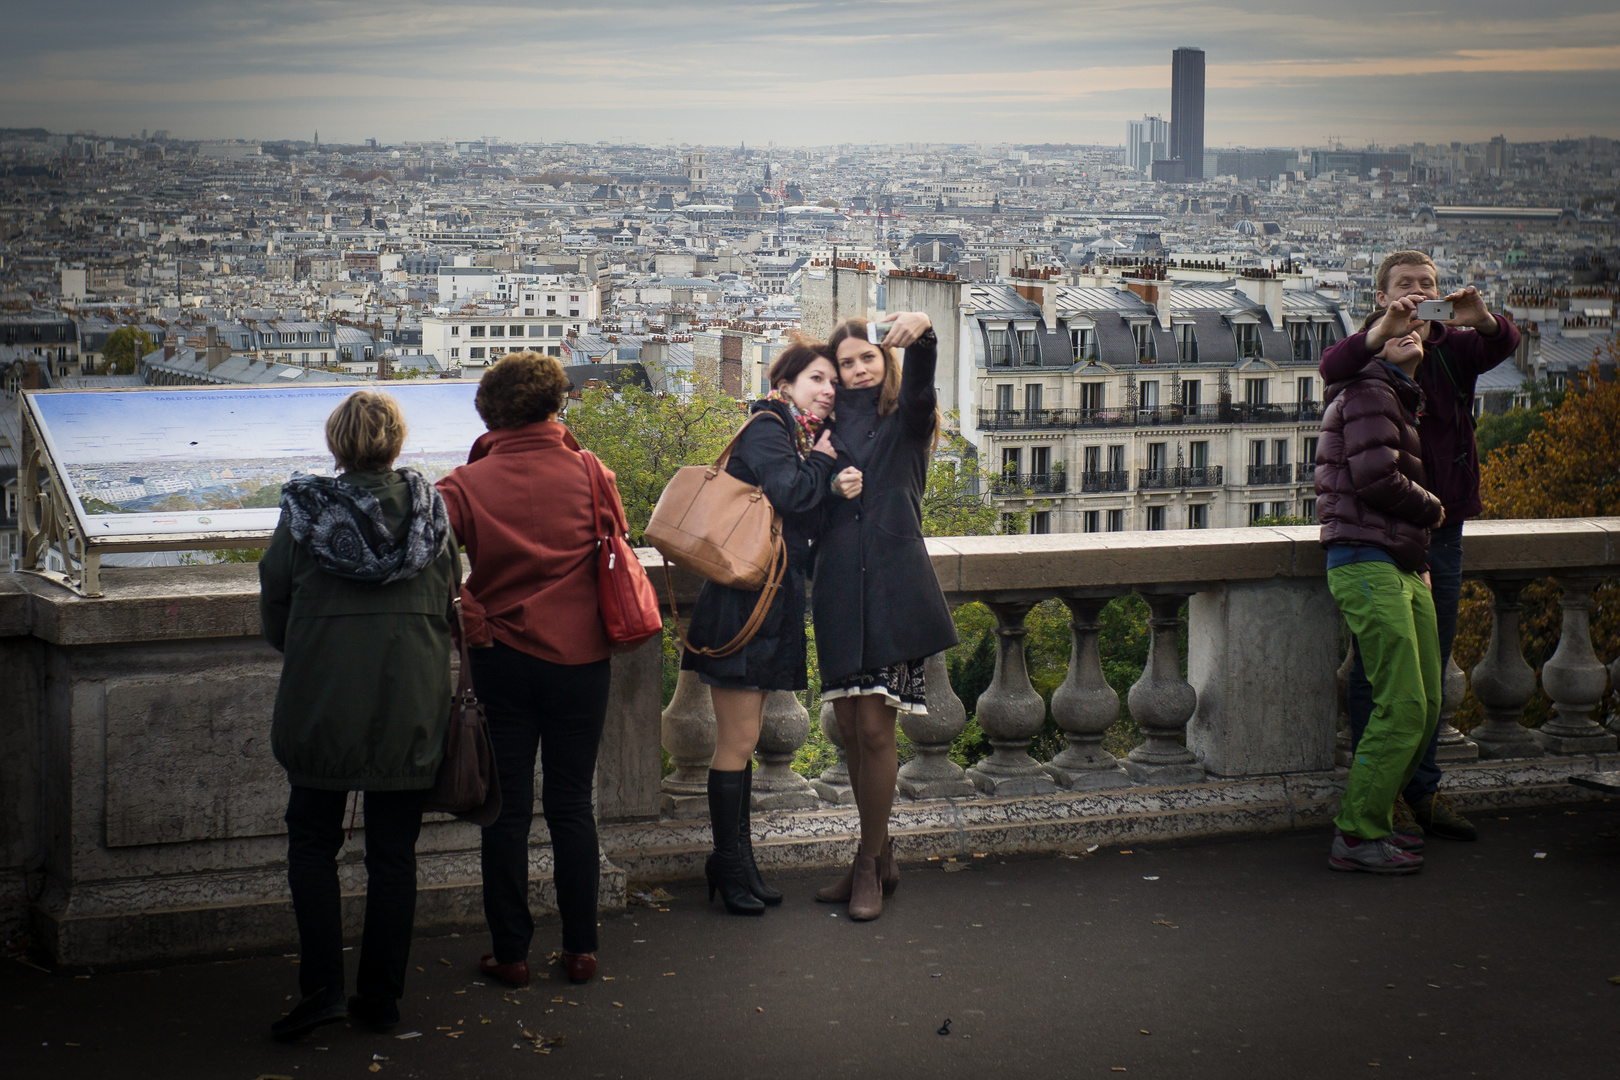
(1143, 399)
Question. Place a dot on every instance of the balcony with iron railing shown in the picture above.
(1155, 416)
(1104, 481)
(1271, 474)
(112, 701)
(1305, 472)
(1054, 482)
(1184, 477)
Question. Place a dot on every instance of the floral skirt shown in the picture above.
(900, 685)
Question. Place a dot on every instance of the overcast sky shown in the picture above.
(1281, 72)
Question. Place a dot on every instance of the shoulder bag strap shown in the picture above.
(725, 455)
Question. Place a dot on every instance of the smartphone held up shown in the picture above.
(877, 331)
(1434, 310)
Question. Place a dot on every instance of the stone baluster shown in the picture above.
(1162, 701)
(1454, 745)
(931, 774)
(1502, 680)
(1085, 707)
(1574, 678)
(833, 783)
(1010, 712)
(688, 736)
(785, 727)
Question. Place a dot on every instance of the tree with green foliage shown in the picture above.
(1512, 428)
(644, 437)
(953, 503)
(122, 351)
(1271, 520)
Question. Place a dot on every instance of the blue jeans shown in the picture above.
(1445, 571)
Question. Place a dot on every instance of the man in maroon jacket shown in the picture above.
(1455, 354)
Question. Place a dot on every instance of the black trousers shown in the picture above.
(557, 710)
(314, 837)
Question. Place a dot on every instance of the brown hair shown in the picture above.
(1402, 258)
(889, 395)
(366, 432)
(791, 361)
(521, 388)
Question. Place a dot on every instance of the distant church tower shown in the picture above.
(697, 172)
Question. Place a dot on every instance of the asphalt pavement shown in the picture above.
(1234, 958)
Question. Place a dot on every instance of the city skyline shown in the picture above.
(817, 73)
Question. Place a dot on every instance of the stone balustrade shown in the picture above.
(143, 808)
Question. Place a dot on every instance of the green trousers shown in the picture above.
(1392, 615)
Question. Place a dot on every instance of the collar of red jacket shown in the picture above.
(544, 434)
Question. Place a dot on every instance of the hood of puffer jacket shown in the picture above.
(1407, 391)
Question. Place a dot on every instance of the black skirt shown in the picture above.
(773, 660)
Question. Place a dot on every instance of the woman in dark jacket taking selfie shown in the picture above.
(786, 451)
(879, 611)
(355, 590)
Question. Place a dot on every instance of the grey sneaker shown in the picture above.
(1373, 856)
(1412, 842)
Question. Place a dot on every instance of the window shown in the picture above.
(476, 331)
(1307, 510)
(497, 330)
(1004, 397)
(1256, 391)
(1009, 524)
(1116, 458)
(1257, 452)
(1308, 451)
(998, 348)
(1198, 454)
(455, 331)
(1198, 516)
(1040, 521)
(475, 353)
(1155, 518)
(1149, 393)
(1145, 351)
(1307, 389)
(553, 350)
(516, 330)
(1093, 521)
(1040, 460)
(528, 311)
(1155, 455)
(554, 331)
(1093, 460)
(1280, 509)
(1186, 343)
(1192, 393)
(11, 504)
(1256, 512)
(1084, 343)
(537, 331)
(1028, 351)
(1248, 341)
(455, 354)
(1091, 395)
(1116, 521)
(1279, 451)
(1032, 399)
(1302, 340)
(1011, 458)
(1326, 334)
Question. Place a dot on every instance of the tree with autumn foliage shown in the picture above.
(1570, 468)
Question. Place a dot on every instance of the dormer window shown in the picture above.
(1084, 344)
(1146, 352)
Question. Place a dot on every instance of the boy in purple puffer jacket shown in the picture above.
(1376, 516)
(1455, 354)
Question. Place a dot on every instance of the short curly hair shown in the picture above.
(366, 432)
(521, 388)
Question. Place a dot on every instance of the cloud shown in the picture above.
(806, 71)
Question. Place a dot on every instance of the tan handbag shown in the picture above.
(713, 525)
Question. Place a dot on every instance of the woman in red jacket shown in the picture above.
(522, 508)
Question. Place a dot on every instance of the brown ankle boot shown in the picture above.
(838, 892)
(866, 893)
(888, 869)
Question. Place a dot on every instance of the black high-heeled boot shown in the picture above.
(724, 869)
(745, 844)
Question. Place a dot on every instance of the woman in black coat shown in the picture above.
(786, 451)
(878, 607)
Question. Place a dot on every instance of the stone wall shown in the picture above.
(142, 807)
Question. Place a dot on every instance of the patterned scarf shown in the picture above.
(342, 527)
(806, 426)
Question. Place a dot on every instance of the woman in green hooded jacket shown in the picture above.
(355, 590)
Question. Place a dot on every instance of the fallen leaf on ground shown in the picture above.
(374, 1067)
(409, 1035)
(1166, 922)
(443, 961)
